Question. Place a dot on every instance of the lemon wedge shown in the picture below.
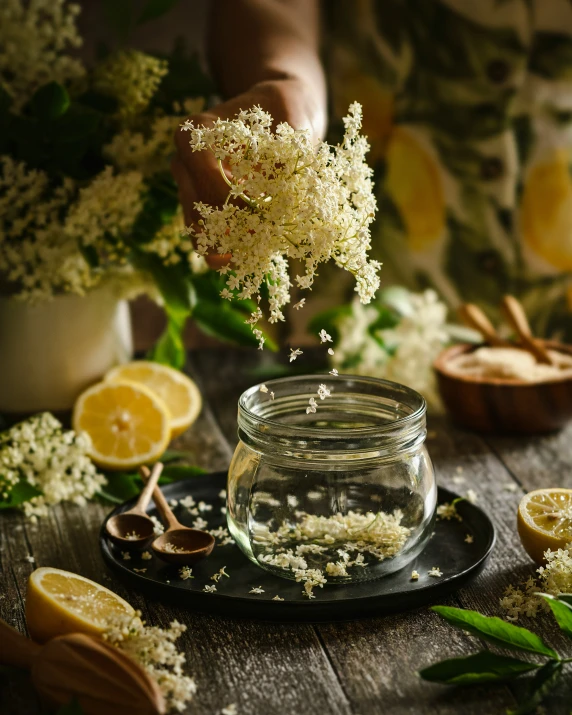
(178, 392)
(545, 521)
(60, 602)
(129, 425)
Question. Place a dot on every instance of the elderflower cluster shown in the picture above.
(318, 544)
(287, 200)
(404, 352)
(130, 77)
(35, 38)
(154, 649)
(40, 454)
(149, 151)
(105, 211)
(554, 578)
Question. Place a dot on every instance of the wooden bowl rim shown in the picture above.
(440, 366)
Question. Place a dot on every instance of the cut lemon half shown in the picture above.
(128, 424)
(178, 392)
(545, 521)
(60, 602)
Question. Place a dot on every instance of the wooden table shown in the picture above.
(358, 667)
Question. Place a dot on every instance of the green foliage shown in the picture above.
(495, 630)
(50, 101)
(21, 492)
(226, 322)
(482, 667)
(490, 667)
(122, 486)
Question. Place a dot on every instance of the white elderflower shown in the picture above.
(125, 555)
(209, 589)
(448, 511)
(334, 372)
(263, 388)
(294, 354)
(331, 351)
(414, 575)
(40, 453)
(36, 39)
(139, 570)
(298, 305)
(222, 494)
(188, 502)
(471, 496)
(203, 506)
(324, 337)
(30, 559)
(312, 406)
(277, 598)
(291, 201)
(130, 77)
(217, 576)
(154, 649)
(469, 539)
(272, 395)
(323, 392)
(200, 523)
(158, 528)
(435, 572)
(146, 556)
(256, 590)
(185, 573)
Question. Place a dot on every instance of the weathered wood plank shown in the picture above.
(263, 668)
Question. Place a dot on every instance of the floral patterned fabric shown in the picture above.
(468, 107)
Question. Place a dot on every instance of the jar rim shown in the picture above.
(385, 388)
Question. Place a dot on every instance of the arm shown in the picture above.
(261, 52)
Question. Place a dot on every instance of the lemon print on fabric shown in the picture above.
(378, 106)
(547, 210)
(413, 181)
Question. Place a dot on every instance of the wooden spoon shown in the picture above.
(475, 318)
(99, 676)
(133, 529)
(517, 318)
(179, 544)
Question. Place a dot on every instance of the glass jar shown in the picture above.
(345, 493)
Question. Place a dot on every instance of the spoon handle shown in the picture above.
(161, 503)
(475, 318)
(16, 649)
(517, 318)
(147, 492)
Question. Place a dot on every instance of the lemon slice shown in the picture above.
(545, 521)
(128, 424)
(60, 602)
(178, 392)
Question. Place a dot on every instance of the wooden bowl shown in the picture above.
(507, 407)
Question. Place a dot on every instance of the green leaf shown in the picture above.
(176, 472)
(220, 320)
(170, 348)
(495, 630)
(541, 685)
(21, 492)
(50, 101)
(72, 708)
(328, 320)
(121, 486)
(118, 15)
(154, 9)
(478, 668)
(174, 455)
(562, 612)
(566, 598)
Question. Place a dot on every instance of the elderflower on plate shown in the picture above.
(290, 200)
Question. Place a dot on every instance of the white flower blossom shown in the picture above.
(291, 200)
(294, 354)
(324, 337)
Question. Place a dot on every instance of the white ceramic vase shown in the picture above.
(51, 351)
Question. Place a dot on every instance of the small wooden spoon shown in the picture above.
(99, 676)
(133, 529)
(475, 318)
(179, 544)
(517, 318)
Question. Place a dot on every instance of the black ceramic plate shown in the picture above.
(447, 549)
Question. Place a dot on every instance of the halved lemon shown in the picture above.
(178, 392)
(128, 423)
(60, 602)
(545, 521)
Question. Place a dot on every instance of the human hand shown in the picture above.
(197, 173)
